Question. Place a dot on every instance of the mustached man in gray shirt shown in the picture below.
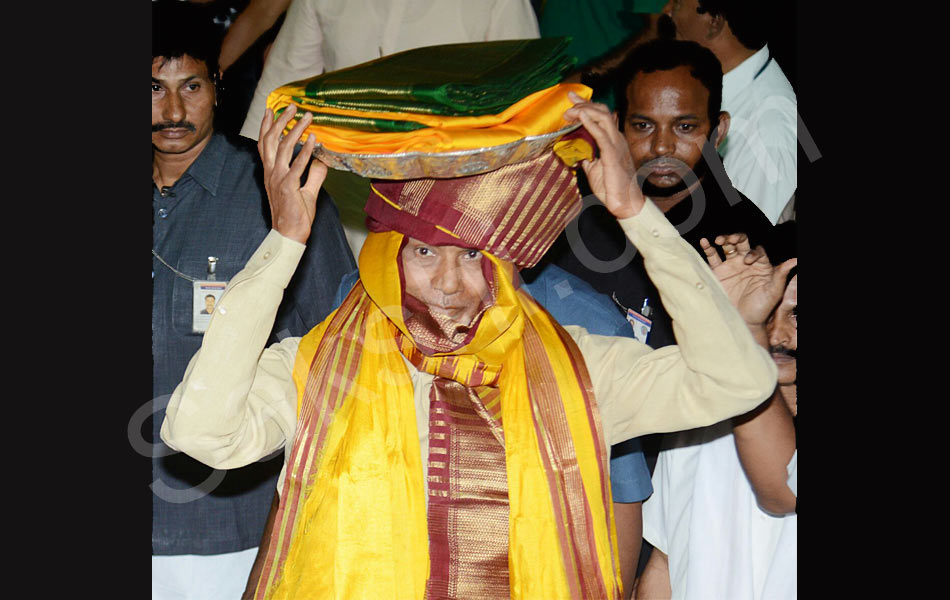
(209, 215)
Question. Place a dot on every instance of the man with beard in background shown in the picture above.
(668, 96)
(761, 152)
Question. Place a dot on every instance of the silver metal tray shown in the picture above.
(458, 163)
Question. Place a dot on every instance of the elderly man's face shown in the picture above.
(182, 104)
(447, 279)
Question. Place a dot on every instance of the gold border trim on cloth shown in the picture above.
(324, 371)
(457, 163)
(310, 421)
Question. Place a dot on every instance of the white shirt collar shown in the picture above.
(740, 77)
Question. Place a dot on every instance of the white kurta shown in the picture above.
(704, 516)
(760, 151)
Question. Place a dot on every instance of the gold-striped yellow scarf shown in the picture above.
(352, 516)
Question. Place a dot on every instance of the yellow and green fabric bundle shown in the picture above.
(461, 96)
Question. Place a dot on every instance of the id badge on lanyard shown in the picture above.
(639, 321)
(205, 295)
(641, 325)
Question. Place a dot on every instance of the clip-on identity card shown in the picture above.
(641, 325)
(206, 295)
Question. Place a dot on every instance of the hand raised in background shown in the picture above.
(752, 284)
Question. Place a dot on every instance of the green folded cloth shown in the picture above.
(373, 124)
(476, 78)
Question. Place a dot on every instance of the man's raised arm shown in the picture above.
(237, 401)
(765, 437)
(716, 370)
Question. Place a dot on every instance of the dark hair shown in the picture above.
(185, 28)
(665, 55)
(748, 19)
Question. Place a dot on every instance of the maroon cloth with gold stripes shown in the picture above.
(467, 476)
(515, 212)
(468, 496)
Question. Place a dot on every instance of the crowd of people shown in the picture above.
(359, 397)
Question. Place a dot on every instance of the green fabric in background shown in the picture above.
(596, 27)
(453, 79)
(349, 192)
(649, 6)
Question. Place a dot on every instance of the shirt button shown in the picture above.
(699, 285)
(162, 212)
(222, 310)
(655, 232)
(267, 255)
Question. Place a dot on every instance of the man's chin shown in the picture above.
(173, 146)
(662, 191)
(787, 368)
(177, 144)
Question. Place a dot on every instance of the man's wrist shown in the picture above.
(298, 235)
(633, 204)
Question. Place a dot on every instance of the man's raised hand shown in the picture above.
(754, 287)
(292, 206)
(612, 176)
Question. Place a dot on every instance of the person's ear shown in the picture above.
(719, 134)
(714, 25)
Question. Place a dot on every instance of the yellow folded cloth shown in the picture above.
(536, 114)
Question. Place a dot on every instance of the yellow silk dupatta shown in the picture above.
(352, 516)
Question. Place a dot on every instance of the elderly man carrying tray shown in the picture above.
(444, 437)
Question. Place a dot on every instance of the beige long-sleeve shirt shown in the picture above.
(237, 401)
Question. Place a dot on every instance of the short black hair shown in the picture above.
(666, 55)
(185, 28)
(748, 19)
